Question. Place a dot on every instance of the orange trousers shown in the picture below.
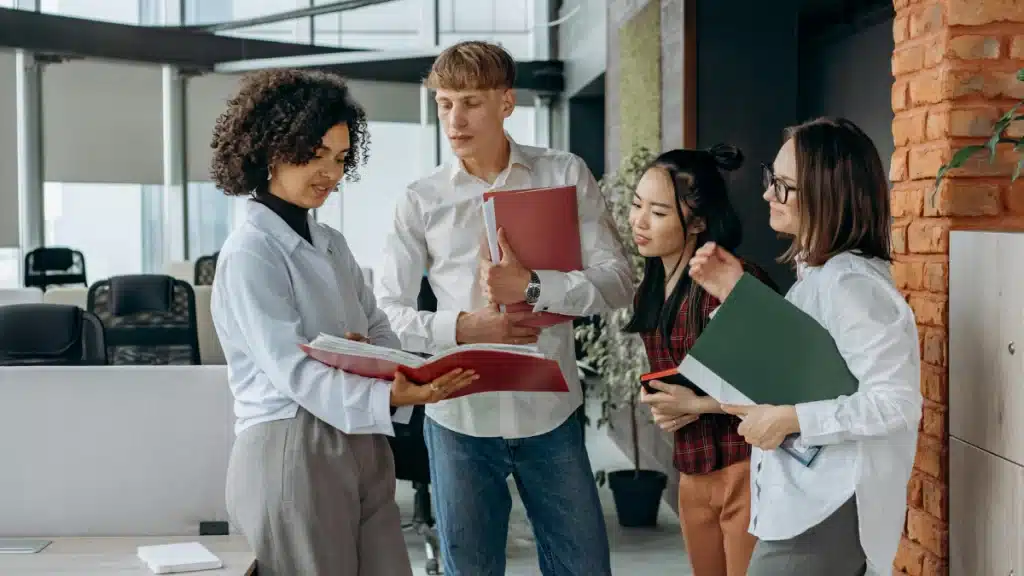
(714, 511)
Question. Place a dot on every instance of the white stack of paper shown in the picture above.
(176, 558)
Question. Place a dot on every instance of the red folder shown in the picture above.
(499, 371)
(542, 228)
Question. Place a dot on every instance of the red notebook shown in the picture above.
(502, 367)
(542, 227)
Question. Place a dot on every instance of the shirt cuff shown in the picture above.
(444, 326)
(818, 423)
(553, 288)
(380, 407)
(402, 415)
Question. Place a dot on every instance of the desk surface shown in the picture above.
(117, 557)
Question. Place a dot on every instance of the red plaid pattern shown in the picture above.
(712, 442)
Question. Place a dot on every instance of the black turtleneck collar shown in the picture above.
(296, 217)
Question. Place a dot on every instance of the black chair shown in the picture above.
(150, 319)
(205, 268)
(412, 462)
(50, 335)
(54, 266)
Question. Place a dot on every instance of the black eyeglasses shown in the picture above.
(778, 187)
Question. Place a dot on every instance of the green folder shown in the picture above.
(768, 350)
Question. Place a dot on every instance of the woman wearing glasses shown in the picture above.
(843, 515)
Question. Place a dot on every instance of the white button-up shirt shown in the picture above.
(274, 291)
(870, 437)
(439, 228)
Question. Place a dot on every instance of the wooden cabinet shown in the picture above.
(986, 511)
(986, 403)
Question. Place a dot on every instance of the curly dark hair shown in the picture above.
(282, 116)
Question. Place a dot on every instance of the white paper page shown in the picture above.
(712, 384)
(491, 226)
(331, 343)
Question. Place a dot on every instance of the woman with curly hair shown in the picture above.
(311, 479)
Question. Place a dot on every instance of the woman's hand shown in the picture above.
(671, 421)
(764, 425)
(674, 407)
(406, 393)
(356, 337)
(716, 270)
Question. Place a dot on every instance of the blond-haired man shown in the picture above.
(477, 442)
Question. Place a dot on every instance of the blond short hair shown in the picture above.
(472, 65)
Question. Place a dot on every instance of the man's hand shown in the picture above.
(489, 325)
(506, 281)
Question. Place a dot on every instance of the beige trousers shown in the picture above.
(714, 510)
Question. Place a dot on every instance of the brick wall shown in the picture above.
(954, 65)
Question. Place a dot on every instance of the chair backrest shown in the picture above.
(50, 335)
(54, 266)
(206, 267)
(150, 319)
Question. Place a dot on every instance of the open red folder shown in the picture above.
(542, 228)
(502, 367)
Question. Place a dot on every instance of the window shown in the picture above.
(121, 11)
(10, 268)
(213, 11)
(211, 217)
(391, 26)
(107, 223)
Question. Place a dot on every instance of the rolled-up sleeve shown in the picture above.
(260, 304)
(606, 282)
(405, 260)
(877, 336)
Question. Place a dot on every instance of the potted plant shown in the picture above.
(619, 359)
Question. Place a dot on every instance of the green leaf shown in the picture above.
(962, 156)
(1017, 169)
(1020, 75)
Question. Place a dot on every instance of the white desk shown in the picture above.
(117, 557)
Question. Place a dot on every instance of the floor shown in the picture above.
(636, 552)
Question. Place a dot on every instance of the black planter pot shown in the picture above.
(637, 496)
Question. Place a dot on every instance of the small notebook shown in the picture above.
(177, 558)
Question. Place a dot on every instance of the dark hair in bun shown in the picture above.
(726, 156)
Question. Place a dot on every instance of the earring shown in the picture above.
(270, 174)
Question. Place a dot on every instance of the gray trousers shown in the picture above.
(831, 548)
(312, 500)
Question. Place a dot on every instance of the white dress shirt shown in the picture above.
(439, 228)
(870, 437)
(273, 291)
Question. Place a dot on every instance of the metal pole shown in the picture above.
(28, 86)
(175, 165)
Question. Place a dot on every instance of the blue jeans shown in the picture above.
(472, 501)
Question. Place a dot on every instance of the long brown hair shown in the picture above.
(842, 193)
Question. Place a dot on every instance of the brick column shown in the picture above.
(954, 65)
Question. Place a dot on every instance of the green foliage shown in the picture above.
(618, 357)
(997, 137)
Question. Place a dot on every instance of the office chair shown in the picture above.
(50, 335)
(412, 462)
(150, 319)
(205, 268)
(54, 266)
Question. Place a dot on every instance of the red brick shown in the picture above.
(907, 202)
(928, 236)
(900, 32)
(909, 558)
(977, 12)
(915, 490)
(910, 127)
(925, 88)
(898, 165)
(981, 164)
(926, 20)
(934, 351)
(975, 47)
(931, 456)
(933, 384)
(901, 3)
(1017, 48)
(990, 84)
(935, 497)
(1014, 197)
(908, 60)
(929, 532)
(934, 566)
(933, 420)
(935, 52)
(899, 239)
(964, 198)
(924, 161)
(967, 122)
(936, 277)
(900, 97)
(929, 309)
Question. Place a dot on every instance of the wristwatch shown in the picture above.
(533, 288)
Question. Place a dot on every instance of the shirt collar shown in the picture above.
(516, 157)
(266, 220)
